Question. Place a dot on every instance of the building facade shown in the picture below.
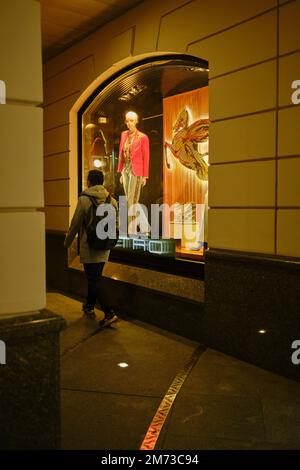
(247, 302)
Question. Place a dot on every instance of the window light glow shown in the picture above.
(97, 163)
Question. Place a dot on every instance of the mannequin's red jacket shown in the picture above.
(139, 153)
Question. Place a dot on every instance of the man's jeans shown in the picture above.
(96, 291)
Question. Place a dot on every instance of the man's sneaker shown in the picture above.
(108, 319)
(88, 311)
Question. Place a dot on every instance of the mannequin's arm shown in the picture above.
(121, 159)
(145, 150)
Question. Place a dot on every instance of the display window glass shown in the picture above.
(147, 130)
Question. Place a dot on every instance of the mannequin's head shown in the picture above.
(131, 120)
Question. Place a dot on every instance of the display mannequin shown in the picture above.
(133, 159)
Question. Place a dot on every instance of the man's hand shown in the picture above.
(144, 181)
(121, 179)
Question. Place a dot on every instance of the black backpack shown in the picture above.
(93, 241)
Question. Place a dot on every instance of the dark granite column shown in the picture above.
(29, 382)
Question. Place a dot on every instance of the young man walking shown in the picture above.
(93, 260)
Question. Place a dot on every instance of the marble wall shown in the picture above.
(252, 309)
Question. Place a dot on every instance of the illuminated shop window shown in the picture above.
(147, 130)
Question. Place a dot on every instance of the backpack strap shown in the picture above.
(88, 217)
(93, 199)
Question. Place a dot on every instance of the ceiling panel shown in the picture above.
(65, 22)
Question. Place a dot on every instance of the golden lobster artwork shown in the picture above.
(184, 146)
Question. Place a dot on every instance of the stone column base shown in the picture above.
(29, 382)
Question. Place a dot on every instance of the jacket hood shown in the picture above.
(98, 192)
